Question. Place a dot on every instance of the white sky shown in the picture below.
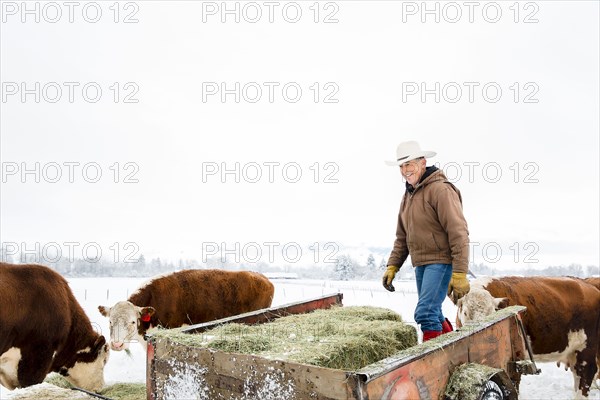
(370, 57)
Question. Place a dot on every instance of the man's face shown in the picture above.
(413, 170)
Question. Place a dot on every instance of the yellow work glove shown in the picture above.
(388, 277)
(459, 286)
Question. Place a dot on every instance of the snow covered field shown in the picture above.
(553, 383)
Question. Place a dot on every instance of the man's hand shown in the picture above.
(388, 277)
(459, 286)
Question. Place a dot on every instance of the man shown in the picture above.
(433, 230)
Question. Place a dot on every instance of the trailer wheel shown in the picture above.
(492, 391)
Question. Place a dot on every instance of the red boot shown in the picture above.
(428, 335)
(446, 326)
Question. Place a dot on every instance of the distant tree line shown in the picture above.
(345, 267)
(576, 270)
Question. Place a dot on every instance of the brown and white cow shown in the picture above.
(562, 318)
(184, 298)
(594, 281)
(44, 329)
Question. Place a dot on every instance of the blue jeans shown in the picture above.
(432, 287)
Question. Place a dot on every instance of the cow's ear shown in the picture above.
(100, 341)
(458, 311)
(104, 310)
(500, 303)
(146, 313)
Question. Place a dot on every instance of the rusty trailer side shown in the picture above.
(420, 372)
(423, 371)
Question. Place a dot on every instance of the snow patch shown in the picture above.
(187, 383)
(47, 391)
(272, 385)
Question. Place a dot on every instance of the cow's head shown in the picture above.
(86, 368)
(476, 305)
(128, 323)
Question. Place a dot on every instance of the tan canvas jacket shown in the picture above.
(431, 226)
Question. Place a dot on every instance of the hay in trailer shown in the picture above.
(347, 338)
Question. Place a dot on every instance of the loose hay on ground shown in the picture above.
(58, 380)
(346, 338)
(55, 386)
(125, 391)
(47, 391)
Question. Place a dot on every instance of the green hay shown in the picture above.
(347, 338)
(118, 391)
(125, 391)
(58, 380)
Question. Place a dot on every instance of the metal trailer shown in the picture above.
(481, 361)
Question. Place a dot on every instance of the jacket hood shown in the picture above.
(431, 174)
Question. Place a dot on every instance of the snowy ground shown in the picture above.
(553, 383)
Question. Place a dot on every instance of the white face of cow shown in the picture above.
(89, 375)
(476, 305)
(124, 321)
(9, 364)
(86, 371)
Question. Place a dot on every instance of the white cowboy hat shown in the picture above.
(407, 151)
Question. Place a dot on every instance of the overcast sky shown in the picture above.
(166, 98)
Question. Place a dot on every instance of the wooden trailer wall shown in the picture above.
(421, 372)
